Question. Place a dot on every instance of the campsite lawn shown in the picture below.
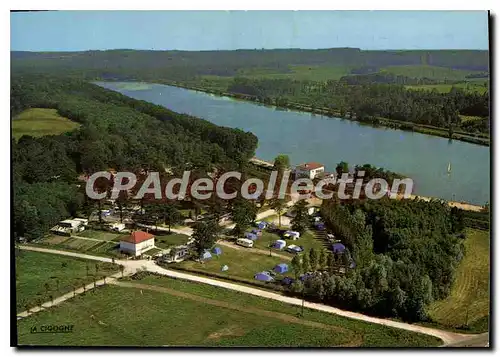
(307, 240)
(470, 291)
(242, 262)
(166, 240)
(40, 122)
(61, 274)
(200, 315)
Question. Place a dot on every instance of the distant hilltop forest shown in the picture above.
(228, 63)
(435, 92)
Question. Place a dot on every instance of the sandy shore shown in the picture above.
(462, 205)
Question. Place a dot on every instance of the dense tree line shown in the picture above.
(367, 102)
(405, 254)
(385, 78)
(116, 132)
(132, 63)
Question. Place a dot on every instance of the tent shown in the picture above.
(257, 232)
(224, 268)
(338, 248)
(279, 244)
(263, 277)
(287, 281)
(251, 236)
(281, 268)
(217, 251)
(261, 225)
(206, 255)
(319, 226)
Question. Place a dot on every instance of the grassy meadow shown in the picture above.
(157, 311)
(242, 262)
(469, 299)
(40, 275)
(40, 122)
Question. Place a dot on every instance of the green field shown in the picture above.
(102, 235)
(469, 296)
(307, 240)
(103, 248)
(60, 273)
(446, 88)
(40, 122)
(170, 240)
(432, 72)
(164, 312)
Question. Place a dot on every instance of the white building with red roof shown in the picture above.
(309, 170)
(137, 243)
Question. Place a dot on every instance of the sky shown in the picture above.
(229, 30)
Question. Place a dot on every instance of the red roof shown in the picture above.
(137, 237)
(308, 166)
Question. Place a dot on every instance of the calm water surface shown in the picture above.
(307, 137)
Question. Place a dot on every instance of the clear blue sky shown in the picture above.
(216, 30)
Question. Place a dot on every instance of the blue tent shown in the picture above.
(338, 248)
(256, 232)
(206, 255)
(217, 251)
(281, 268)
(287, 281)
(251, 236)
(319, 226)
(263, 277)
(261, 225)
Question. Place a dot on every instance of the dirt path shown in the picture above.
(132, 266)
(251, 310)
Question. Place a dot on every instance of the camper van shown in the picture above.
(245, 242)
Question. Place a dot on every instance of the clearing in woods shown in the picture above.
(40, 122)
(470, 296)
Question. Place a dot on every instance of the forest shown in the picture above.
(369, 101)
(365, 95)
(116, 132)
(405, 253)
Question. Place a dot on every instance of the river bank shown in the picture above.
(478, 139)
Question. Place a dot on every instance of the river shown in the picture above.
(307, 137)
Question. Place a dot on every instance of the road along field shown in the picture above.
(40, 276)
(158, 311)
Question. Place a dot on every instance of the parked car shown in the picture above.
(295, 249)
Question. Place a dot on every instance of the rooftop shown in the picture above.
(137, 237)
(308, 166)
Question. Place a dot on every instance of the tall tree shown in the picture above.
(300, 221)
(313, 258)
(279, 206)
(281, 163)
(243, 213)
(297, 265)
(205, 236)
